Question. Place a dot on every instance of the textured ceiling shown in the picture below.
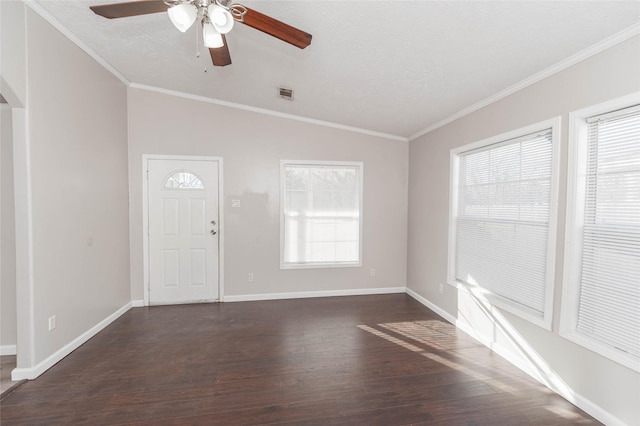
(395, 67)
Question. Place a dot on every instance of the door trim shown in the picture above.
(145, 218)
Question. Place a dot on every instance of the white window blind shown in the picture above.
(609, 296)
(502, 220)
(321, 214)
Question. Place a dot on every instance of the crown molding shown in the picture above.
(554, 69)
(44, 14)
(266, 112)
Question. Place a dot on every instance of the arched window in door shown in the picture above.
(183, 180)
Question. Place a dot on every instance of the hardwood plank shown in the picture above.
(328, 361)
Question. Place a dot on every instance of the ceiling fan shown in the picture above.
(217, 18)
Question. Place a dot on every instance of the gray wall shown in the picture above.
(79, 179)
(81, 170)
(7, 230)
(591, 378)
(252, 146)
(13, 76)
(72, 231)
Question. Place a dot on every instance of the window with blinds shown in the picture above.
(605, 269)
(321, 214)
(502, 223)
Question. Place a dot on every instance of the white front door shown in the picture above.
(183, 231)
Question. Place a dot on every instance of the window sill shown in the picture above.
(320, 265)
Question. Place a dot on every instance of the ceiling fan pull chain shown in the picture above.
(197, 41)
(199, 28)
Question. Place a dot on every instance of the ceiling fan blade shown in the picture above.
(130, 8)
(277, 29)
(220, 56)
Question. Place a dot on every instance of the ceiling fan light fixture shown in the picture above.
(212, 38)
(183, 16)
(215, 16)
(221, 18)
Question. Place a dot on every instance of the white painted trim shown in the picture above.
(574, 222)
(450, 318)
(41, 367)
(595, 411)
(137, 303)
(7, 350)
(145, 232)
(44, 14)
(9, 95)
(145, 217)
(554, 69)
(546, 320)
(309, 294)
(432, 306)
(360, 166)
(132, 220)
(576, 399)
(267, 112)
(25, 314)
(221, 227)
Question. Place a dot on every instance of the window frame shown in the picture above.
(544, 321)
(360, 180)
(574, 222)
(180, 187)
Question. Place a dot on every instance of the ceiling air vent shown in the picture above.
(285, 93)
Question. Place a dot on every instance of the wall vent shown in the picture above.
(285, 93)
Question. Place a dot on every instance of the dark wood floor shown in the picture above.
(366, 360)
(7, 363)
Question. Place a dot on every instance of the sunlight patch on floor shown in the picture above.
(391, 339)
(566, 413)
(537, 366)
(415, 332)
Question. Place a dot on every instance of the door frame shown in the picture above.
(145, 218)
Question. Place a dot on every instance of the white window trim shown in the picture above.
(544, 321)
(576, 174)
(283, 164)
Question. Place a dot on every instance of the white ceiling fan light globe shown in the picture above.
(221, 18)
(183, 16)
(212, 38)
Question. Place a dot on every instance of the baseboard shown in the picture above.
(38, 369)
(578, 400)
(307, 294)
(7, 350)
(137, 303)
(596, 411)
(435, 308)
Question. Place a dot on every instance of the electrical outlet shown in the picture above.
(250, 277)
(372, 273)
(441, 287)
(52, 322)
